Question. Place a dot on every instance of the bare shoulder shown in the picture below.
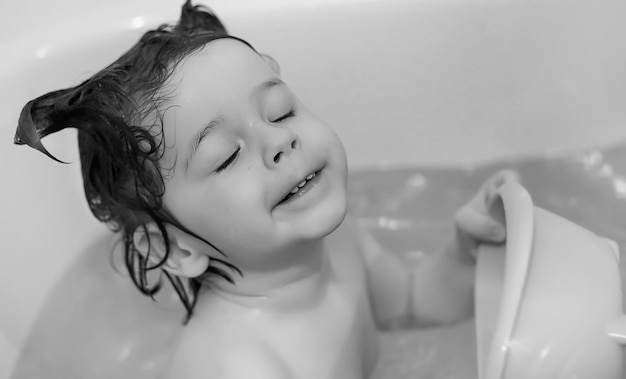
(360, 238)
(388, 276)
(200, 357)
(347, 239)
(347, 233)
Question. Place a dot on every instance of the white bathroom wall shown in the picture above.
(404, 82)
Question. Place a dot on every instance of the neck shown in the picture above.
(299, 283)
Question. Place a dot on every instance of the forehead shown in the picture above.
(214, 70)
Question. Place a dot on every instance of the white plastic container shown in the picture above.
(549, 302)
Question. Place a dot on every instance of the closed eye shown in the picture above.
(287, 115)
(229, 161)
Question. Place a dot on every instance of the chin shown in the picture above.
(327, 218)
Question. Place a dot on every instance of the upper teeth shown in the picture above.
(302, 183)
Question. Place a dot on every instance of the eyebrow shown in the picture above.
(265, 86)
(195, 142)
(197, 139)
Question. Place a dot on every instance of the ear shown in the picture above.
(272, 63)
(187, 258)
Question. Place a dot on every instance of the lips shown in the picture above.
(300, 187)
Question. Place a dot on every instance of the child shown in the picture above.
(215, 174)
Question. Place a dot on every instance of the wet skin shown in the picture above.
(254, 172)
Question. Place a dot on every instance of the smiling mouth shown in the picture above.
(300, 188)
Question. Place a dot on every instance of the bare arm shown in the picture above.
(440, 288)
(437, 290)
(388, 279)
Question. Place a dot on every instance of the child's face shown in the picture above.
(257, 143)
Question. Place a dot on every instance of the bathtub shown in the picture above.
(439, 90)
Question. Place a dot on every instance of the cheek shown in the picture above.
(326, 143)
(223, 211)
(239, 193)
(317, 131)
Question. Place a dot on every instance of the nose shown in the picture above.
(280, 143)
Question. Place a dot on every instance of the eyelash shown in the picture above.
(229, 161)
(289, 114)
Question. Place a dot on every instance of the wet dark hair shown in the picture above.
(119, 153)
